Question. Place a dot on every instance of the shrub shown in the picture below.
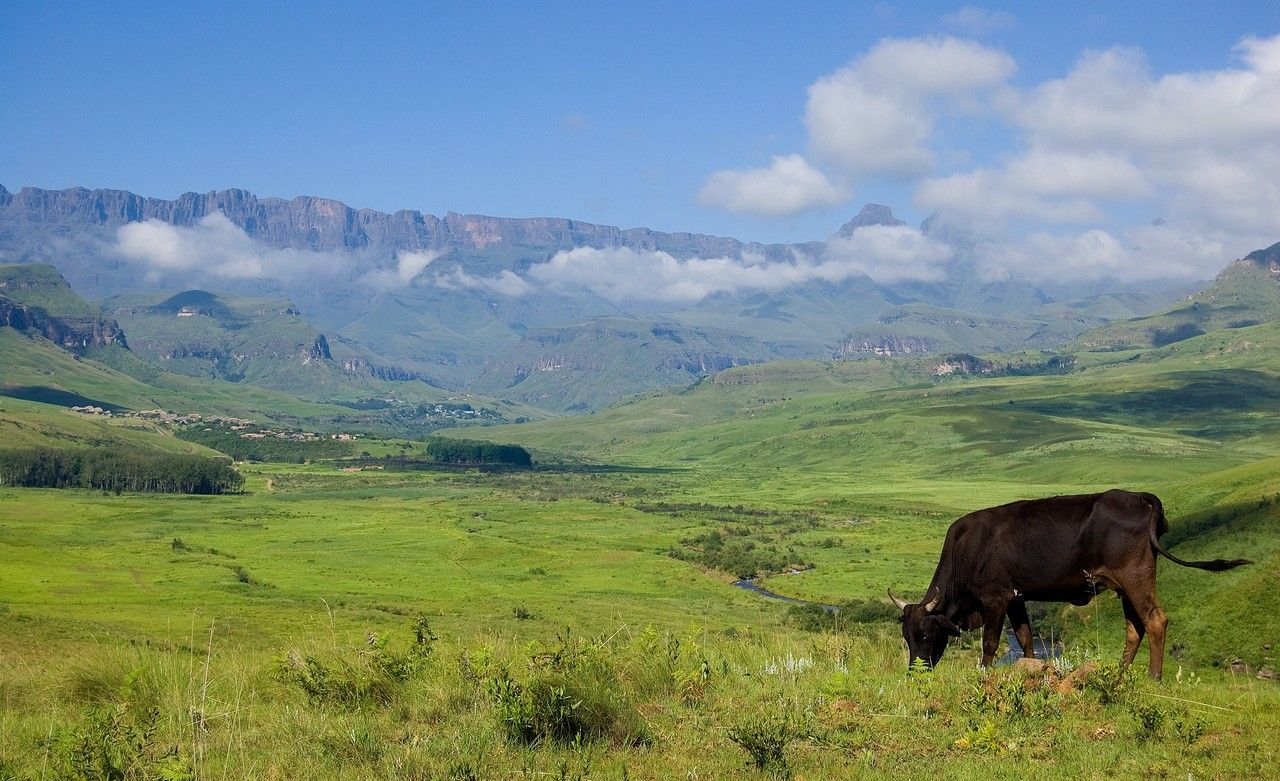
(1110, 682)
(573, 693)
(373, 675)
(117, 742)
(1148, 717)
(1190, 727)
(765, 739)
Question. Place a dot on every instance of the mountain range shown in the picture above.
(415, 300)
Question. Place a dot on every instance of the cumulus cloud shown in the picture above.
(884, 253)
(1092, 154)
(216, 246)
(1059, 187)
(877, 115)
(788, 186)
(972, 20)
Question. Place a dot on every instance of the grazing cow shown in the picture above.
(1060, 549)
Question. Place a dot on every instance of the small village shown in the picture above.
(248, 429)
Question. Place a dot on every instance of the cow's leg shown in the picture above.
(1134, 630)
(1021, 623)
(1147, 609)
(992, 629)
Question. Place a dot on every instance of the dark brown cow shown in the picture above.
(1060, 549)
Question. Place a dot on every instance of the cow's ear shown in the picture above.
(947, 625)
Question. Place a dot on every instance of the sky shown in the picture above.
(1089, 138)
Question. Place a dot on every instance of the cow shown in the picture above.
(1059, 549)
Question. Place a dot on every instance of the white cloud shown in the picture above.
(1054, 187)
(216, 246)
(408, 265)
(1141, 252)
(788, 186)
(877, 115)
(972, 20)
(889, 253)
(885, 253)
(506, 283)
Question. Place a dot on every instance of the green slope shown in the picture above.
(1245, 293)
(38, 284)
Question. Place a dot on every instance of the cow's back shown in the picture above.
(1047, 544)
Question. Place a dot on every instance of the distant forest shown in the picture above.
(112, 471)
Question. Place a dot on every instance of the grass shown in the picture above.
(276, 634)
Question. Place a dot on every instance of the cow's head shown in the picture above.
(925, 631)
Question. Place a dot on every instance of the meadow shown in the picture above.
(465, 624)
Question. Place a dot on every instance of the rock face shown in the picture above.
(963, 364)
(871, 214)
(1268, 258)
(72, 332)
(308, 222)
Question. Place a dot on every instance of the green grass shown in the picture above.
(269, 634)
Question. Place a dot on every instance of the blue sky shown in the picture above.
(614, 113)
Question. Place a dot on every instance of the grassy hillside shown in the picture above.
(38, 284)
(1245, 293)
(28, 424)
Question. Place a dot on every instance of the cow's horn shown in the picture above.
(932, 604)
(901, 603)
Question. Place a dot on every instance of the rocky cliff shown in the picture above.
(72, 332)
(323, 223)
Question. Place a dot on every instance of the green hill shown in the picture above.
(40, 285)
(1245, 293)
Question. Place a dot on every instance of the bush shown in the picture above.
(119, 741)
(1111, 683)
(372, 675)
(573, 693)
(765, 739)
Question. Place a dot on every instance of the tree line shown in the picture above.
(472, 451)
(118, 471)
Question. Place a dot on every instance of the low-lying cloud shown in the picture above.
(884, 253)
(407, 267)
(218, 247)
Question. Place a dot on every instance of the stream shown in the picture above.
(1042, 648)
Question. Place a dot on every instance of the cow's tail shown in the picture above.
(1159, 526)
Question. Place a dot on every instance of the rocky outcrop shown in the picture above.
(964, 364)
(871, 214)
(71, 332)
(1268, 258)
(319, 350)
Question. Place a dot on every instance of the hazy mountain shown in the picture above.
(353, 275)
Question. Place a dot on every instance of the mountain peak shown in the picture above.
(1267, 258)
(871, 214)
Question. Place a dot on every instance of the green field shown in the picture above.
(271, 634)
